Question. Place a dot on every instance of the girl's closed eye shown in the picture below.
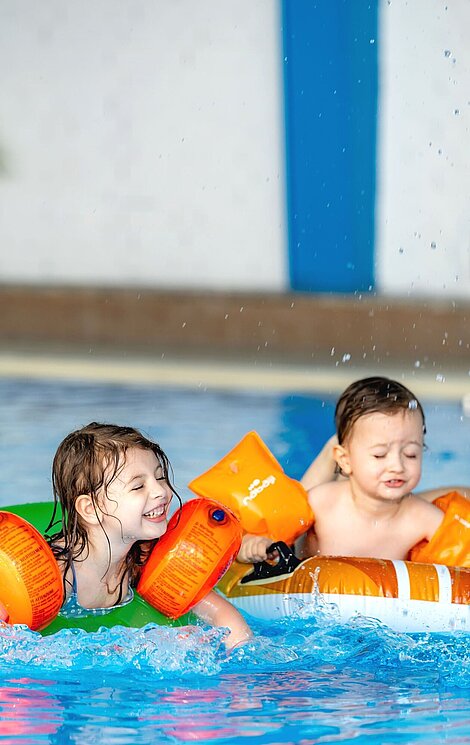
(137, 487)
(159, 475)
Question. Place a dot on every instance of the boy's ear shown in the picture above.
(87, 509)
(341, 456)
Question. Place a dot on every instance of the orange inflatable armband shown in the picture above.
(450, 545)
(251, 483)
(201, 542)
(30, 581)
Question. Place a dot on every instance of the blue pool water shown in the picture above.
(303, 680)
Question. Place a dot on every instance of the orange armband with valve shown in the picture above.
(198, 547)
(450, 544)
(31, 586)
(252, 484)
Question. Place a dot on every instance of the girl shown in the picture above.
(114, 491)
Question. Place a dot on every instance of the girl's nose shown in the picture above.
(158, 489)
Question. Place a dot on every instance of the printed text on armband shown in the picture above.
(257, 486)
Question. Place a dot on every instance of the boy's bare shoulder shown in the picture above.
(415, 501)
(431, 494)
(423, 515)
(326, 492)
(420, 507)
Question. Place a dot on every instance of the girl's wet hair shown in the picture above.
(369, 395)
(86, 462)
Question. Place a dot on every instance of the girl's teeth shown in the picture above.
(155, 513)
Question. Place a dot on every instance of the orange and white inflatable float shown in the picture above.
(407, 596)
(431, 592)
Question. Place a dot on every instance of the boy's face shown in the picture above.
(383, 454)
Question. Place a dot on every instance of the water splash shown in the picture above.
(160, 649)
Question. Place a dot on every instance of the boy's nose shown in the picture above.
(396, 462)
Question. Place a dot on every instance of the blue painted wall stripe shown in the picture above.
(330, 81)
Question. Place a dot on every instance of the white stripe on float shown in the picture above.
(403, 579)
(445, 583)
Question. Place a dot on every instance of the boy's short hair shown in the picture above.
(369, 395)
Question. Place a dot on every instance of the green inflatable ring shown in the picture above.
(136, 614)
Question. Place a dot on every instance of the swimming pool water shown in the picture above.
(302, 680)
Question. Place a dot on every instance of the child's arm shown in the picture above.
(253, 548)
(323, 468)
(217, 611)
(3, 613)
(431, 494)
(425, 515)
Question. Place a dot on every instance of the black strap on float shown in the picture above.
(286, 563)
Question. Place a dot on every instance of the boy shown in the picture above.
(369, 510)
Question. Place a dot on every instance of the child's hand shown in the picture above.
(253, 548)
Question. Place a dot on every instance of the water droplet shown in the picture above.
(433, 245)
(417, 363)
(440, 378)
(456, 112)
(447, 53)
(466, 403)
(401, 250)
(413, 404)
(346, 357)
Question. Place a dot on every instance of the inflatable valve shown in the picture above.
(201, 542)
(30, 580)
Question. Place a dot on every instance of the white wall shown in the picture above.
(423, 209)
(141, 143)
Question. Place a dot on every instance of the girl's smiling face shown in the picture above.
(137, 500)
(383, 454)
